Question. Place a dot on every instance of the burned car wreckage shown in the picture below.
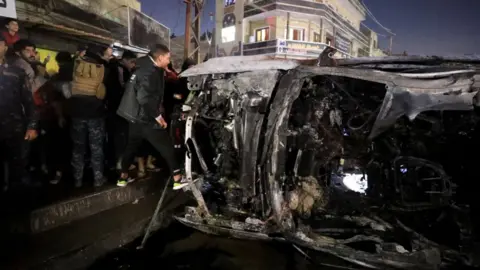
(359, 159)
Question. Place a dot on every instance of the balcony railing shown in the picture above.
(305, 7)
(290, 48)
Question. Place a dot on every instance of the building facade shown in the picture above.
(110, 9)
(295, 29)
(62, 25)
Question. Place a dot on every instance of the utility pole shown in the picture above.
(188, 17)
(195, 26)
(391, 45)
(287, 36)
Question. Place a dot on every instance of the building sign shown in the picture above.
(145, 31)
(52, 65)
(7, 9)
(309, 49)
(342, 43)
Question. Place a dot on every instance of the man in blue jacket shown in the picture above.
(142, 106)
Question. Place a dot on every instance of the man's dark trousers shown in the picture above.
(158, 138)
(92, 129)
(13, 150)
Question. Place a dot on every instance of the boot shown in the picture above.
(99, 182)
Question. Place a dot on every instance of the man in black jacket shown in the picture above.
(142, 106)
(18, 121)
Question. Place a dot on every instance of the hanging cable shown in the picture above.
(375, 19)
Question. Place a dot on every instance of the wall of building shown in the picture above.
(229, 16)
(373, 42)
(378, 53)
(254, 25)
(278, 29)
(315, 29)
(356, 46)
(296, 23)
(374, 50)
(106, 4)
(328, 30)
(348, 11)
(278, 26)
(110, 9)
(349, 40)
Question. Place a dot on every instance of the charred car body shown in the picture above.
(360, 160)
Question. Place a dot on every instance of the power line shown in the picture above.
(381, 25)
(375, 19)
(378, 34)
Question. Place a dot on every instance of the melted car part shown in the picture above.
(290, 152)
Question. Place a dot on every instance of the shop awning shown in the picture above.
(63, 18)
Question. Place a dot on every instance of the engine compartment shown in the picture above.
(370, 171)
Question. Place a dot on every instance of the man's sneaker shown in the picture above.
(122, 182)
(56, 179)
(182, 183)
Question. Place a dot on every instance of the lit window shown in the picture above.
(317, 37)
(262, 34)
(228, 34)
(296, 34)
(329, 40)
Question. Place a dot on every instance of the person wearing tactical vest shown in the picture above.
(87, 111)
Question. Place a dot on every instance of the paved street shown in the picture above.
(179, 247)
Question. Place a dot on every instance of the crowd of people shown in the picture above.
(98, 109)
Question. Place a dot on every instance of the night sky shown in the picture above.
(426, 27)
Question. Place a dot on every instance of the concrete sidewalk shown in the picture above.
(74, 233)
(83, 203)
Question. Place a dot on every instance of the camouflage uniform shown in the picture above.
(94, 128)
(86, 108)
(17, 114)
